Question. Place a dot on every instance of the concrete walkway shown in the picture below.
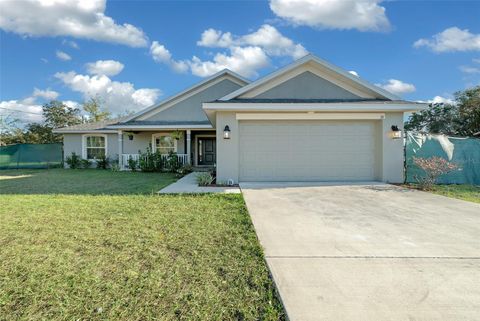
(368, 252)
(188, 184)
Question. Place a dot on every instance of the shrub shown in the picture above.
(150, 162)
(172, 162)
(85, 163)
(115, 167)
(433, 167)
(103, 162)
(73, 161)
(184, 170)
(132, 164)
(204, 179)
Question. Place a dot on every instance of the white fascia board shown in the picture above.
(221, 74)
(305, 60)
(339, 107)
(144, 127)
(310, 116)
(57, 131)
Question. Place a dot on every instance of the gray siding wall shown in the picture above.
(190, 109)
(307, 86)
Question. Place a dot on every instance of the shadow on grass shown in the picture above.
(82, 182)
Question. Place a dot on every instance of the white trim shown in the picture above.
(160, 127)
(196, 147)
(154, 145)
(309, 116)
(387, 106)
(84, 144)
(221, 75)
(311, 58)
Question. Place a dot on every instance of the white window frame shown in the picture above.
(154, 143)
(84, 144)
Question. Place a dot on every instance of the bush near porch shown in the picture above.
(98, 245)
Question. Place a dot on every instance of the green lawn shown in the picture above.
(464, 192)
(137, 256)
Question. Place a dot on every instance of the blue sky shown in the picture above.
(418, 49)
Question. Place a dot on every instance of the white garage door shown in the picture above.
(307, 150)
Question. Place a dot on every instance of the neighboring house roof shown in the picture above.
(100, 126)
(198, 86)
(343, 74)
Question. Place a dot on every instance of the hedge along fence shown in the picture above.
(463, 151)
(31, 156)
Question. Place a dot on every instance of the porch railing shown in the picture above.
(182, 159)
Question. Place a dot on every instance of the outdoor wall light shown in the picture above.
(130, 136)
(396, 132)
(226, 132)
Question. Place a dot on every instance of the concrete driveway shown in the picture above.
(368, 252)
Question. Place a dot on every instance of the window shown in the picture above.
(95, 146)
(165, 144)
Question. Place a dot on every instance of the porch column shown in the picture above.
(120, 149)
(189, 145)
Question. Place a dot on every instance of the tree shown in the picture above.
(462, 118)
(94, 109)
(58, 115)
(469, 111)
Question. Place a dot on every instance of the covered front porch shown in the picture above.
(196, 147)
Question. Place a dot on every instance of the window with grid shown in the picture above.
(95, 147)
(165, 144)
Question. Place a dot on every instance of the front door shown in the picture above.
(207, 150)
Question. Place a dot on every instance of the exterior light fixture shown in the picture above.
(396, 133)
(130, 136)
(226, 132)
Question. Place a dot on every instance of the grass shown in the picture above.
(136, 256)
(464, 192)
(81, 181)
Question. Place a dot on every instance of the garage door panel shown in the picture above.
(307, 150)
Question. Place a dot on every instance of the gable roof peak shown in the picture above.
(325, 64)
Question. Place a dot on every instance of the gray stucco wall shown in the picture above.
(307, 86)
(73, 143)
(389, 165)
(190, 109)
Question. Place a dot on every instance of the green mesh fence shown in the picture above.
(465, 152)
(31, 156)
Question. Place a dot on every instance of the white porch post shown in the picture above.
(189, 147)
(120, 149)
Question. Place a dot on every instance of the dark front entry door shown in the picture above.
(207, 151)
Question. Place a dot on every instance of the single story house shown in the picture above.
(308, 121)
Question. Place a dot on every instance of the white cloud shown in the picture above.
(163, 55)
(45, 94)
(63, 55)
(364, 15)
(476, 60)
(353, 72)
(74, 18)
(441, 100)
(266, 37)
(117, 97)
(243, 54)
(397, 87)
(243, 60)
(451, 39)
(105, 67)
(71, 43)
(25, 111)
(44, 60)
(469, 69)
